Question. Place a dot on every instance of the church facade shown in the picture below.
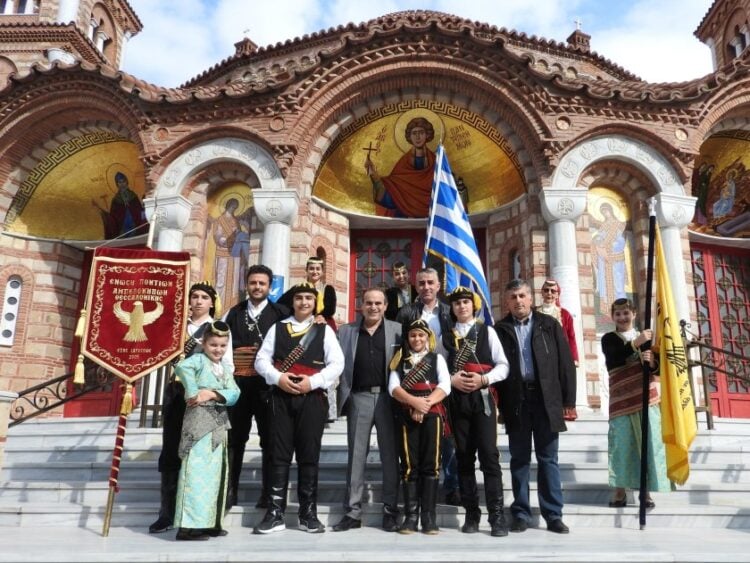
(306, 148)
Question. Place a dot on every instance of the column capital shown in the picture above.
(276, 206)
(172, 211)
(562, 204)
(674, 210)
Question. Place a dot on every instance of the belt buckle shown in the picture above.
(375, 389)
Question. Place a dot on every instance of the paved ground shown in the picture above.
(371, 544)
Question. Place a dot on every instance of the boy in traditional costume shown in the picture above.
(419, 380)
(300, 359)
(477, 362)
(209, 389)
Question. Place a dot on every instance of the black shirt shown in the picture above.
(369, 359)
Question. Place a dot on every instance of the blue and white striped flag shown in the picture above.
(450, 238)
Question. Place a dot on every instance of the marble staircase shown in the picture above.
(55, 479)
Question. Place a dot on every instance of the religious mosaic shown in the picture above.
(721, 182)
(612, 252)
(382, 164)
(89, 188)
(227, 249)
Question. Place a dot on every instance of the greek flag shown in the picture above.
(450, 239)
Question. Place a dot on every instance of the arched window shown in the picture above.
(10, 310)
(515, 265)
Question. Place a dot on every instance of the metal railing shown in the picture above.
(54, 393)
(49, 395)
(712, 360)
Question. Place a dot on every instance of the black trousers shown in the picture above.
(296, 427)
(476, 435)
(253, 402)
(173, 412)
(419, 447)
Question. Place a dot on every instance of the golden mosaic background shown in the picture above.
(724, 160)
(55, 200)
(475, 150)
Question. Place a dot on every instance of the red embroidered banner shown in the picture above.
(136, 310)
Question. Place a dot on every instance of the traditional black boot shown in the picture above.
(470, 501)
(234, 457)
(273, 521)
(428, 504)
(168, 494)
(307, 491)
(493, 490)
(411, 508)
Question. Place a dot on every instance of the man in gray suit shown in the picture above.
(369, 345)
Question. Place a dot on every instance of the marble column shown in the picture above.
(561, 209)
(673, 212)
(67, 11)
(6, 400)
(276, 209)
(168, 216)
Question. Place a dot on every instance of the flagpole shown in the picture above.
(435, 177)
(643, 494)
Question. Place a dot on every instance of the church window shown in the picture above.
(515, 264)
(10, 310)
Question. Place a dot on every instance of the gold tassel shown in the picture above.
(78, 373)
(81, 325)
(127, 400)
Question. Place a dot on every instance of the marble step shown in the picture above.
(94, 428)
(145, 470)
(140, 515)
(332, 491)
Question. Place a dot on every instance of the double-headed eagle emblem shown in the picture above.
(136, 319)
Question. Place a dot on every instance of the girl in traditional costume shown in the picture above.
(624, 362)
(420, 380)
(209, 389)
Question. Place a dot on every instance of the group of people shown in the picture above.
(424, 372)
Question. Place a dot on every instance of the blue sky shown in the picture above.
(180, 39)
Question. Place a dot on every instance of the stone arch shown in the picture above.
(494, 119)
(104, 32)
(652, 163)
(198, 191)
(7, 67)
(41, 149)
(321, 247)
(178, 173)
(496, 98)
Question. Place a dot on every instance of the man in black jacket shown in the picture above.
(249, 322)
(535, 400)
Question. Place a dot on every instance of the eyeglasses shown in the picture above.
(549, 290)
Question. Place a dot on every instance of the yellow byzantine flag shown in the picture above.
(677, 409)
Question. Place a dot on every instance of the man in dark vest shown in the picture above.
(249, 322)
(300, 360)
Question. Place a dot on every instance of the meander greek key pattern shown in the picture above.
(50, 161)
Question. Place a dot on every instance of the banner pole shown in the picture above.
(114, 472)
(643, 493)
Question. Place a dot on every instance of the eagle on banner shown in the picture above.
(136, 319)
